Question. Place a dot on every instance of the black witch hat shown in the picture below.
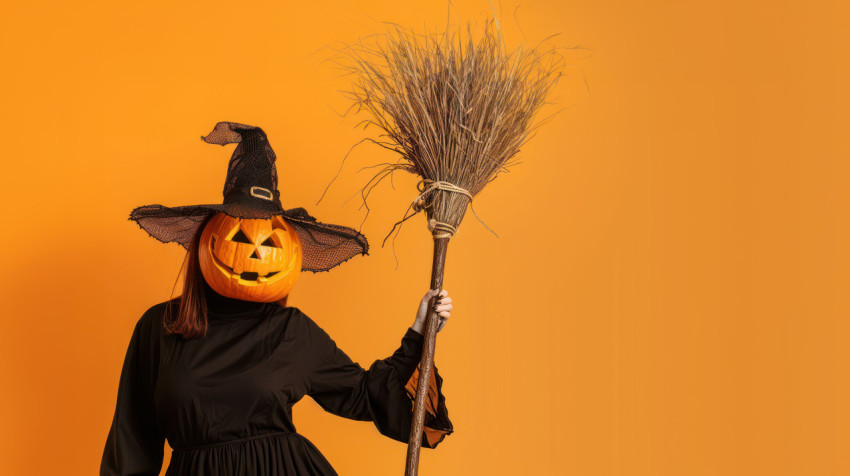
(250, 191)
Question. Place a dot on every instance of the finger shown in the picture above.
(443, 307)
(444, 293)
(444, 314)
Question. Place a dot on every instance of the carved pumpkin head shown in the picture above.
(250, 259)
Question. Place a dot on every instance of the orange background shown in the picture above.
(667, 295)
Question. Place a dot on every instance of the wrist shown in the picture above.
(418, 327)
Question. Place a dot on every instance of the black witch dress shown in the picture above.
(224, 402)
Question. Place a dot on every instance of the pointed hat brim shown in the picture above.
(324, 245)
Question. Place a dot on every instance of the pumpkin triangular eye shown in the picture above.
(269, 242)
(240, 237)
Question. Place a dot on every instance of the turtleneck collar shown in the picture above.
(229, 308)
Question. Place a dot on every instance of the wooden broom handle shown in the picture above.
(426, 364)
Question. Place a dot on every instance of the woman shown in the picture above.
(217, 371)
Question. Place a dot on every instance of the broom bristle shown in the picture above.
(455, 109)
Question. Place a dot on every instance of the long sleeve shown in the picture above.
(134, 445)
(383, 394)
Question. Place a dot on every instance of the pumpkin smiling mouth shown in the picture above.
(253, 276)
(246, 277)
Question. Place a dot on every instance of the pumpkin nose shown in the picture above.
(254, 255)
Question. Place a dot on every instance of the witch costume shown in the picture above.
(224, 401)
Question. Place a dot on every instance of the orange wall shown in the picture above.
(667, 296)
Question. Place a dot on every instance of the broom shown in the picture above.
(456, 111)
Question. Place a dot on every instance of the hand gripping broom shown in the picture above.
(456, 111)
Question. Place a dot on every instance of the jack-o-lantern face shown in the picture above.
(253, 260)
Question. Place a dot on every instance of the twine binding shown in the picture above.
(438, 229)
